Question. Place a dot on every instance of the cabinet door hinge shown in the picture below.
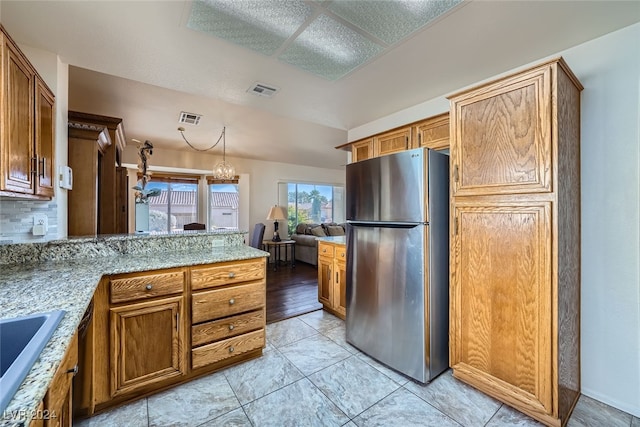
(455, 226)
(455, 173)
(34, 166)
(419, 139)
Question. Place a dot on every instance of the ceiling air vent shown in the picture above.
(261, 89)
(189, 118)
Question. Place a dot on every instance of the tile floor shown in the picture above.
(309, 376)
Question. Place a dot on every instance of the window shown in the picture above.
(223, 206)
(316, 203)
(176, 205)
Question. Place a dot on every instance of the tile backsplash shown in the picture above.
(16, 220)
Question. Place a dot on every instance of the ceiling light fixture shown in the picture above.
(223, 170)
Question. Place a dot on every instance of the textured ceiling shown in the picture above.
(139, 60)
(326, 39)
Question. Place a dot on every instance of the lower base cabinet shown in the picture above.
(332, 277)
(147, 345)
(156, 329)
(56, 408)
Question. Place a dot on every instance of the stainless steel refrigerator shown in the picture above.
(398, 260)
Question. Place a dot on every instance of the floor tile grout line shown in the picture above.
(293, 342)
(273, 391)
(493, 415)
(380, 400)
(306, 376)
(433, 406)
(367, 362)
(279, 388)
(224, 374)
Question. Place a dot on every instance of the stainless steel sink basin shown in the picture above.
(21, 342)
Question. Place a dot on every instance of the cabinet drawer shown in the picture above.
(227, 273)
(341, 253)
(147, 286)
(225, 328)
(217, 303)
(231, 347)
(325, 249)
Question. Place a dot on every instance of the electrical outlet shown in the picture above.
(40, 224)
(40, 219)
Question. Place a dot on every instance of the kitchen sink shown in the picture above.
(21, 342)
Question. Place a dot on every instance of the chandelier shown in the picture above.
(222, 170)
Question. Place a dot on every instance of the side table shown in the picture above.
(277, 255)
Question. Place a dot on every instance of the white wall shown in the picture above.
(609, 69)
(257, 178)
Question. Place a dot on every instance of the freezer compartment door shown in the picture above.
(389, 188)
(386, 294)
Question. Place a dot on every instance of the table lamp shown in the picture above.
(276, 213)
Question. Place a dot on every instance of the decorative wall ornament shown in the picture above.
(144, 152)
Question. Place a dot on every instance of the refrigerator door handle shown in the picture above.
(382, 224)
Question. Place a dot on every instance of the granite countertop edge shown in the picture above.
(338, 240)
(69, 285)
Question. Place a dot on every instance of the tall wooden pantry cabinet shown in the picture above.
(515, 244)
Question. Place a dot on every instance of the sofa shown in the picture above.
(305, 236)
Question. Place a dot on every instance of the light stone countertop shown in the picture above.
(36, 287)
(339, 240)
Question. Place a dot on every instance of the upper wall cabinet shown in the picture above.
(429, 133)
(519, 110)
(432, 133)
(392, 142)
(27, 133)
(362, 150)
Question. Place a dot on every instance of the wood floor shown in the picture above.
(291, 291)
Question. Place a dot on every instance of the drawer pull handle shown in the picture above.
(231, 349)
(232, 301)
(149, 286)
(232, 275)
(231, 327)
(73, 370)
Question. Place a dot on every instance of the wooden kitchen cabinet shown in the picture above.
(432, 133)
(44, 139)
(97, 203)
(227, 311)
(332, 266)
(325, 267)
(27, 137)
(147, 338)
(57, 408)
(392, 142)
(362, 150)
(147, 344)
(155, 329)
(515, 244)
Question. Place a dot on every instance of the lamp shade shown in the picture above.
(276, 213)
